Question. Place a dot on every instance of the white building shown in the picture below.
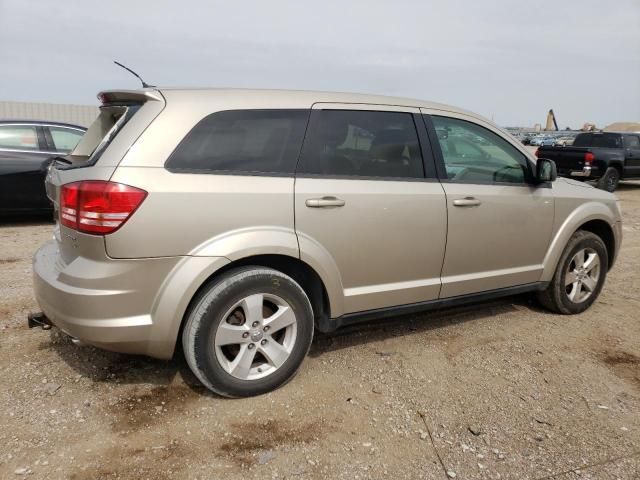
(82, 115)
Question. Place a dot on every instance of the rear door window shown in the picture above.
(65, 139)
(359, 143)
(242, 141)
(19, 137)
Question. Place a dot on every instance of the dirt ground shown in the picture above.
(498, 390)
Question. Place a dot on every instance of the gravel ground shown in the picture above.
(497, 390)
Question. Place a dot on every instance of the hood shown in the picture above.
(567, 187)
(577, 183)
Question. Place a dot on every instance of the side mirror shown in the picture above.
(546, 170)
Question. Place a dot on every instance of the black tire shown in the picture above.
(206, 314)
(609, 181)
(556, 297)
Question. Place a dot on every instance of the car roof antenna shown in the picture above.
(144, 84)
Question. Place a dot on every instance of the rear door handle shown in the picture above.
(324, 202)
(467, 202)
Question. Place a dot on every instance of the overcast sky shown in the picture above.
(510, 60)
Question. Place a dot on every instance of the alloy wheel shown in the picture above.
(256, 336)
(583, 273)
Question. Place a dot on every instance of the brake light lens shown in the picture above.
(98, 207)
(588, 157)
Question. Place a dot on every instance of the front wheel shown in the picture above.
(579, 276)
(248, 332)
(609, 181)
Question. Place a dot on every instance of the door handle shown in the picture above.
(467, 202)
(324, 202)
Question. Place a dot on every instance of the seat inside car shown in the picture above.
(331, 160)
(391, 155)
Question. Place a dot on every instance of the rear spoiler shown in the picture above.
(130, 96)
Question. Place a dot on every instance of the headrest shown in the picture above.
(389, 144)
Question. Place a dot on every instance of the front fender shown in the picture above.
(582, 214)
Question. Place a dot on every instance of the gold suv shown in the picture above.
(240, 221)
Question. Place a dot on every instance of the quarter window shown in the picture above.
(65, 139)
(243, 141)
(19, 137)
(355, 143)
(633, 141)
(473, 154)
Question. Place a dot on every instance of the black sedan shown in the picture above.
(26, 149)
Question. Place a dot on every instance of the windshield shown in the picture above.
(605, 140)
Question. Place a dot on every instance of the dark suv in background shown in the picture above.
(26, 148)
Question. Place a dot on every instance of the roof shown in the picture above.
(305, 98)
(41, 122)
(600, 132)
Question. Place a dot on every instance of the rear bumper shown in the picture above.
(106, 303)
(584, 173)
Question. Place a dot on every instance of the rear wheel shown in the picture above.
(579, 276)
(609, 180)
(248, 332)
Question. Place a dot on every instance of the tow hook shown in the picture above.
(38, 319)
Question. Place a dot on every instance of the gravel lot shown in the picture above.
(498, 390)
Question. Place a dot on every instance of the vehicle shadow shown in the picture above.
(107, 367)
(379, 330)
(103, 366)
(30, 220)
(628, 186)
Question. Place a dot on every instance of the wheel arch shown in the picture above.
(300, 271)
(619, 166)
(593, 217)
(603, 230)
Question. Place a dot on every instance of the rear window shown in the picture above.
(605, 140)
(242, 141)
(103, 130)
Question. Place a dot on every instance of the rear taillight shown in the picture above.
(98, 207)
(588, 157)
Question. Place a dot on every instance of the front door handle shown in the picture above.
(467, 202)
(324, 202)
